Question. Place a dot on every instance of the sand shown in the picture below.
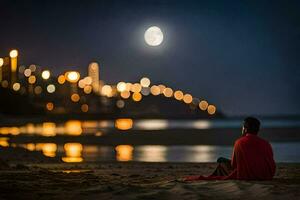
(43, 178)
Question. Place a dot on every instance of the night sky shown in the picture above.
(243, 56)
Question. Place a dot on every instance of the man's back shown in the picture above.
(253, 158)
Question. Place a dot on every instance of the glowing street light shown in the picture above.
(13, 53)
(1, 62)
(72, 76)
(46, 74)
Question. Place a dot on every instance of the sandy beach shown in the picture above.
(30, 175)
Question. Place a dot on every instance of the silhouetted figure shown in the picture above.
(252, 158)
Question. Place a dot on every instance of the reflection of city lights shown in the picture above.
(125, 94)
(48, 149)
(145, 82)
(178, 95)
(137, 96)
(187, 98)
(49, 106)
(73, 127)
(121, 86)
(155, 90)
(31, 79)
(124, 124)
(4, 142)
(13, 53)
(84, 108)
(38, 90)
(168, 92)
(72, 76)
(16, 86)
(49, 129)
(73, 152)
(120, 103)
(75, 97)
(61, 79)
(211, 109)
(203, 105)
(51, 88)
(124, 152)
(27, 72)
(30, 146)
(1, 62)
(46, 74)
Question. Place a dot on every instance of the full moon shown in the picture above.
(154, 36)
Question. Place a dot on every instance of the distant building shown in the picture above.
(6, 72)
(93, 72)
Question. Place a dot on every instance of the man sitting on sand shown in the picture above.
(252, 158)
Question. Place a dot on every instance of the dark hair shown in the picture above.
(252, 125)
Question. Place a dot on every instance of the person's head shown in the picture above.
(251, 125)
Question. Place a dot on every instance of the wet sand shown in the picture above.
(41, 178)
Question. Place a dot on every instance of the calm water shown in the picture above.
(76, 152)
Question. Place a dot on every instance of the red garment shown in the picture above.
(252, 159)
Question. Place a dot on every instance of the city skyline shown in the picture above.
(248, 59)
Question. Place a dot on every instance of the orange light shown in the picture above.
(73, 152)
(84, 108)
(124, 124)
(61, 79)
(211, 109)
(203, 105)
(137, 96)
(31, 79)
(49, 129)
(178, 95)
(87, 89)
(155, 90)
(125, 94)
(73, 127)
(124, 152)
(187, 98)
(49, 106)
(168, 92)
(72, 76)
(75, 97)
(136, 87)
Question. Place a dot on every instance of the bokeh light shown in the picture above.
(137, 96)
(145, 82)
(125, 94)
(187, 98)
(75, 97)
(13, 53)
(155, 90)
(203, 105)
(178, 95)
(51, 88)
(46, 74)
(211, 109)
(16, 86)
(168, 92)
